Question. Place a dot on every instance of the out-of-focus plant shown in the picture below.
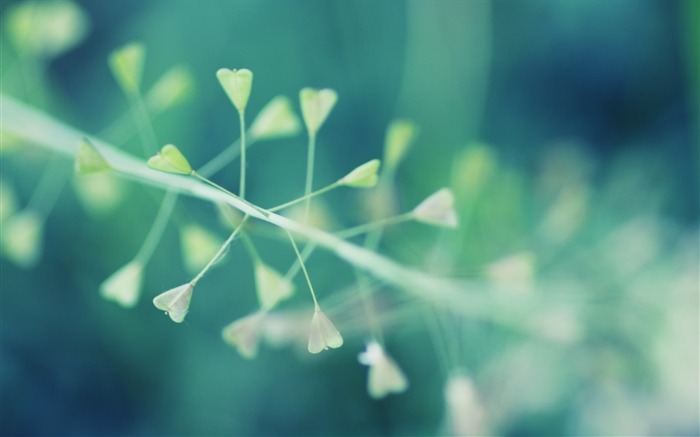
(566, 283)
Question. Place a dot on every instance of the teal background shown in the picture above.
(611, 86)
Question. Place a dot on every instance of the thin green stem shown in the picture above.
(231, 152)
(147, 135)
(120, 128)
(224, 190)
(438, 340)
(220, 253)
(296, 266)
(49, 188)
(305, 197)
(372, 240)
(373, 226)
(384, 189)
(241, 117)
(303, 268)
(157, 228)
(39, 128)
(309, 172)
(250, 247)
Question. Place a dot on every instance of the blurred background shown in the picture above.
(568, 131)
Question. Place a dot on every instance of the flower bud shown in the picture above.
(385, 376)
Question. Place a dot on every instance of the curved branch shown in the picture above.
(37, 127)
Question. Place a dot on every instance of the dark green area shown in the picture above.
(577, 100)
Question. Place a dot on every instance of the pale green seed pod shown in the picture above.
(244, 334)
(170, 160)
(175, 302)
(364, 176)
(126, 64)
(22, 236)
(385, 376)
(271, 286)
(399, 136)
(88, 159)
(275, 120)
(124, 285)
(323, 334)
(237, 85)
(315, 107)
(438, 209)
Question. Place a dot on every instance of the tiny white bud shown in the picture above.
(385, 376)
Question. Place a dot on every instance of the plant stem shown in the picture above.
(305, 197)
(157, 228)
(372, 243)
(149, 142)
(49, 188)
(296, 266)
(39, 128)
(224, 190)
(373, 226)
(303, 268)
(218, 255)
(310, 156)
(248, 243)
(241, 117)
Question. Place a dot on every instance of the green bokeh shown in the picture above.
(588, 112)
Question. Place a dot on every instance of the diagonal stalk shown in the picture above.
(41, 129)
